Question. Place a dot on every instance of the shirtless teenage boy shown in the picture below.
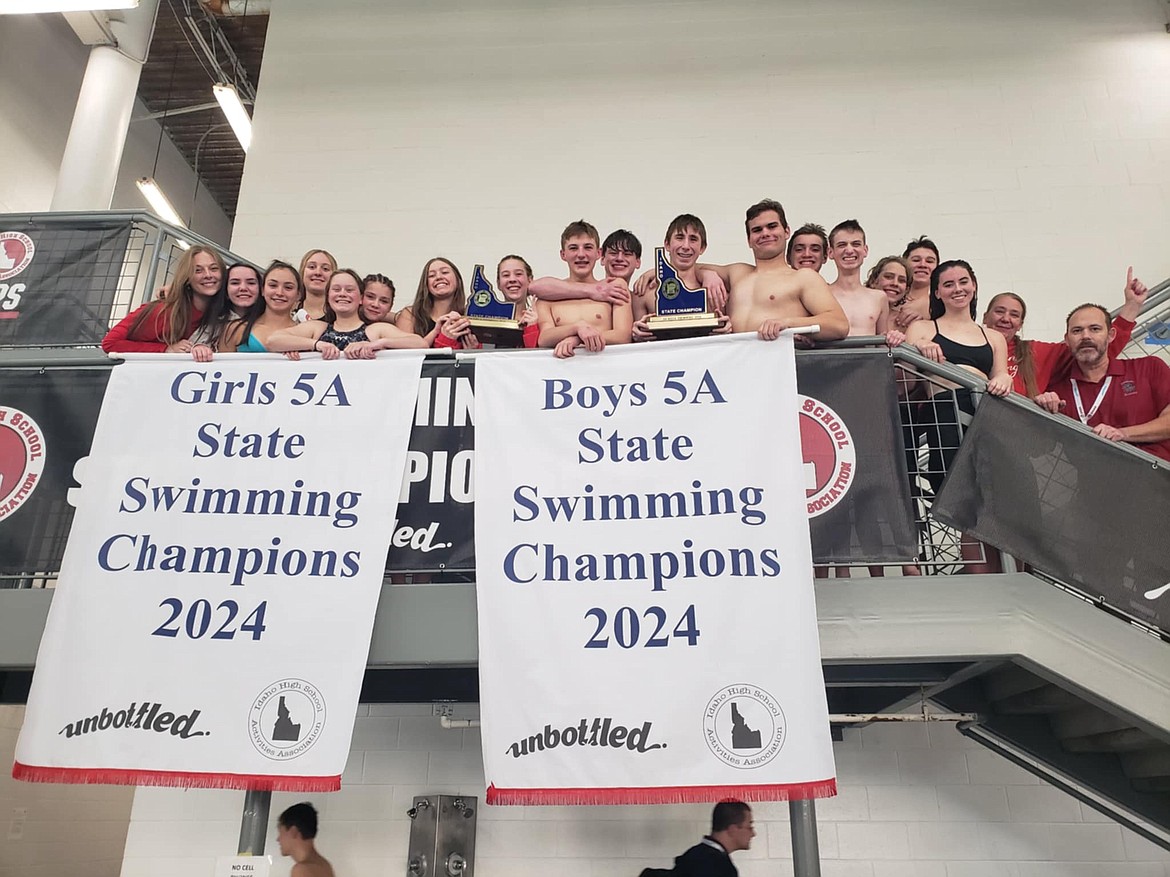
(769, 297)
(295, 830)
(808, 247)
(868, 310)
(685, 242)
(571, 322)
(621, 256)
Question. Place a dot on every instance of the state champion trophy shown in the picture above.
(682, 312)
(492, 316)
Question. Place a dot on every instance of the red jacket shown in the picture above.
(148, 337)
(1053, 360)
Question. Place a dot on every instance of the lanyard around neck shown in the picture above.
(1085, 418)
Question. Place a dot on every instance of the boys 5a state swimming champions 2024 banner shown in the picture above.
(212, 618)
(647, 631)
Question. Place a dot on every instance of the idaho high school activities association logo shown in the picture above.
(829, 455)
(286, 719)
(22, 459)
(16, 252)
(744, 726)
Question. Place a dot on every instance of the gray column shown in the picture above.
(93, 152)
(254, 824)
(806, 853)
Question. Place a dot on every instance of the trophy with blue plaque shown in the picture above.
(682, 312)
(492, 316)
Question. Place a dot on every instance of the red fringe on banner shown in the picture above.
(177, 778)
(665, 794)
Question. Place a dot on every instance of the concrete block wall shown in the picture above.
(915, 801)
(51, 830)
(1032, 139)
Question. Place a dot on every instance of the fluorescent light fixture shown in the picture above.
(233, 108)
(162, 206)
(24, 7)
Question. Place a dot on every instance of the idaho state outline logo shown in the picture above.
(16, 252)
(22, 459)
(830, 458)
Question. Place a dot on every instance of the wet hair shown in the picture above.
(1085, 306)
(848, 225)
(807, 229)
(420, 310)
(302, 817)
(876, 272)
(763, 207)
(623, 239)
(937, 308)
(727, 814)
(377, 278)
(920, 243)
(685, 221)
(1025, 362)
(330, 316)
(500, 264)
(578, 228)
(179, 304)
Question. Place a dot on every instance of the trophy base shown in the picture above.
(682, 325)
(501, 333)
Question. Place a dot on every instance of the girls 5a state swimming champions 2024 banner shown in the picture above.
(212, 618)
(647, 631)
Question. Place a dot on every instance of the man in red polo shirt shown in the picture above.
(1122, 400)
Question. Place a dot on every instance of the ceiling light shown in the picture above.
(162, 206)
(23, 7)
(233, 108)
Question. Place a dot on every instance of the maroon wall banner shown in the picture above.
(57, 285)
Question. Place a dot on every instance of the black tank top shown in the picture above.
(342, 340)
(978, 356)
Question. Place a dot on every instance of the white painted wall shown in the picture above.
(41, 67)
(49, 830)
(914, 802)
(1030, 138)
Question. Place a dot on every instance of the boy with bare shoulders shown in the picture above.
(808, 247)
(685, 242)
(295, 830)
(868, 310)
(580, 321)
(769, 297)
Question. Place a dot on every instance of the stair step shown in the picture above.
(1004, 682)
(1125, 740)
(1147, 765)
(1040, 701)
(1085, 721)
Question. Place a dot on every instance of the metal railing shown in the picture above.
(115, 282)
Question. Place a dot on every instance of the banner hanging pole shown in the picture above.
(254, 823)
(806, 854)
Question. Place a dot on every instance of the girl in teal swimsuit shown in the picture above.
(281, 295)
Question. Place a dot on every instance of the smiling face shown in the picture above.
(808, 251)
(377, 300)
(316, 273)
(767, 234)
(580, 253)
(956, 289)
(620, 262)
(1005, 314)
(848, 250)
(243, 286)
(441, 283)
(922, 262)
(281, 295)
(344, 295)
(893, 280)
(206, 276)
(512, 278)
(684, 247)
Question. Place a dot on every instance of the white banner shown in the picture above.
(647, 631)
(212, 618)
